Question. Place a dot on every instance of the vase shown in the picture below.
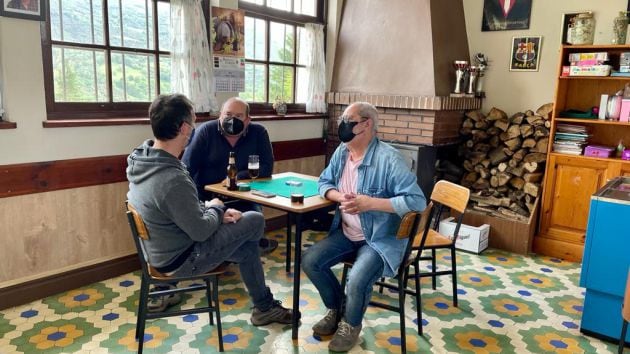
(281, 109)
(620, 26)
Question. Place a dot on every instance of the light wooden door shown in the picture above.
(569, 185)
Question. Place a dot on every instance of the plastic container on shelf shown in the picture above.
(583, 30)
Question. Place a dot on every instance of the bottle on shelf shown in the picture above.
(232, 172)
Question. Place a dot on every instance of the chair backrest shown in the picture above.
(451, 195)
(410, 227)
(423, 225)
(139, 232)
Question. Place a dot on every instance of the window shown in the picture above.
(274, 50)
(105, 58)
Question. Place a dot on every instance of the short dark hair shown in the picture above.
(167, 114)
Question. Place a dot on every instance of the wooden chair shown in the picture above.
(150, 276)
(625, 314)
(409, 226)
(445, 195)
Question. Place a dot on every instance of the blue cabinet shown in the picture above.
(606, 259)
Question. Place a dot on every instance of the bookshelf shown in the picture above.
(570, 180)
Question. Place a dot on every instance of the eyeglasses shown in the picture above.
(192, 124)
(348, 119)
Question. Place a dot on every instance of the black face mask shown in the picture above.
(232, 125)
(345, 131)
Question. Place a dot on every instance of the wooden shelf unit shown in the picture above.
(571, 180)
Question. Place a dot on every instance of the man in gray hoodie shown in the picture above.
(188, 237)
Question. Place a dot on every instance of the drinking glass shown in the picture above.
(253, 166)
(297, 193)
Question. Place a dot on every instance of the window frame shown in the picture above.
(116, 110)
(101, 110)
(269, 14)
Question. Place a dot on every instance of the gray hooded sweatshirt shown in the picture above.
(165, 195)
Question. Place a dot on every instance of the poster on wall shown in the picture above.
(500, 15)
(228, 49)
(26, 9)
(525, 53)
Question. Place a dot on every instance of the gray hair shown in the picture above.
(367, 110)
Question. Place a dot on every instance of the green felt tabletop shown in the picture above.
(279, 187)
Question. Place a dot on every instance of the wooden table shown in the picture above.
(295, 212)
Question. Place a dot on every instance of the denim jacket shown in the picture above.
(382, 174)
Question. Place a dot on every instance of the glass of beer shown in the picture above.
(297, 193)
(253, 166)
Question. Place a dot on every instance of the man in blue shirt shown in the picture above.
(374, 188)
(207, 154)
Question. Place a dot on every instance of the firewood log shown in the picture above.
(517, 118)
(529, 143)
(545, 110)
(497, 156)
(514, 144)
(541, 145)
(535, 157)
(526, 130)
(533, 177)
(519, 154)
(475, 115)
(533, 166)
(496, 114)
(531, 189)
(468, 123)
(502, 124)
(517, 182)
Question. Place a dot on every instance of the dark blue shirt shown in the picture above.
(207, 154)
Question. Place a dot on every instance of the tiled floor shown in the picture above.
(508, 304)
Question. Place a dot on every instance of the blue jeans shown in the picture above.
(235, 243)
(368, 268)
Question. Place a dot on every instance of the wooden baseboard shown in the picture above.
(559, 249)
(40, 288)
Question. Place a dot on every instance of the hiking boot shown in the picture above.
(267, 245)
(161, 303)
(276, 313)
(345, 338)
(327, 325)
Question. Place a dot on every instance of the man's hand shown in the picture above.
(214, 202)
(231, 216)
(354, 204)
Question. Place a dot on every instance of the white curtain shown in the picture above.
(315, 68)
(191, 57)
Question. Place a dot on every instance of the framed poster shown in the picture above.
(525, 53)
(500, 15)
(26, 9)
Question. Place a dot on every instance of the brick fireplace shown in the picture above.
(424, 129)
(398, 55)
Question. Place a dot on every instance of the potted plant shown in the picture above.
(280, 106)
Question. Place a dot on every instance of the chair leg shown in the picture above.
(624, 329)
(418, 301)
(380, 288)
(433, 268)
(209, 292)
(142, 302)
(454, 269)
(215, 293)
(401, 311)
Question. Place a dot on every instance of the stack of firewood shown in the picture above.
(504, 159)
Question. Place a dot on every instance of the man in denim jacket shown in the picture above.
(374, 188)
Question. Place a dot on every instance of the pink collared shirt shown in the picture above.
(351, 224)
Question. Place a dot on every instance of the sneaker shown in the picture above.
(161, 303)
(276, 313)
(345, 338)
(327, 325)
(267, 245)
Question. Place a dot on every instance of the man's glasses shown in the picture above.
(348, 119)
(192, 124)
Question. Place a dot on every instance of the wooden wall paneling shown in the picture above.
(45, 232)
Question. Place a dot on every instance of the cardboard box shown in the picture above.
(505, 234)
(471, 239)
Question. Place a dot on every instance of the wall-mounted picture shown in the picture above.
(26, 9)
(500, 15)
(525, 53)
(228, 32)
(569, 21)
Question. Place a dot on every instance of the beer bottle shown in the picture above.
(231, 172)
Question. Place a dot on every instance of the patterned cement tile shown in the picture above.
(508, 303)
